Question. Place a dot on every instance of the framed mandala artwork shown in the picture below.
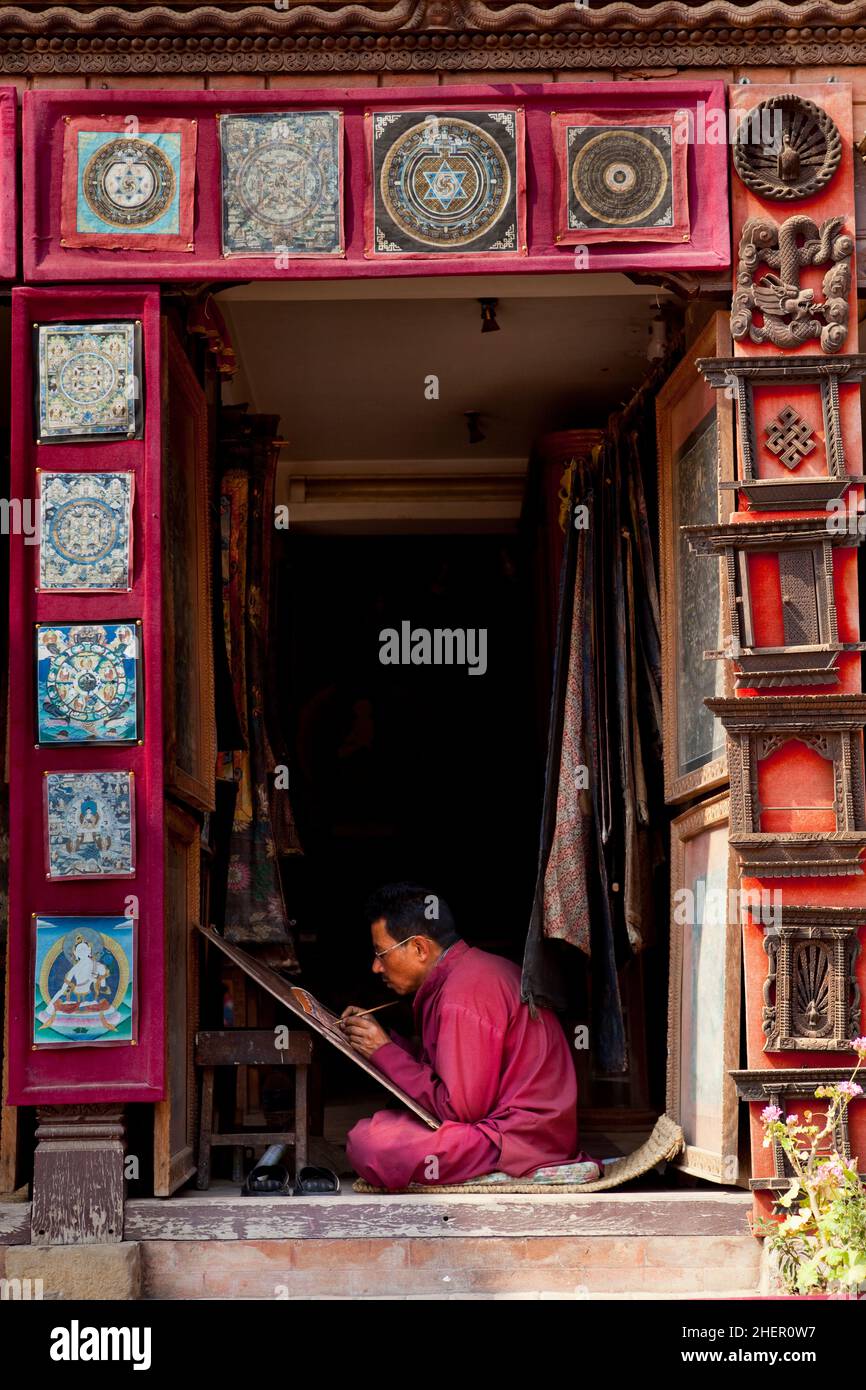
(88, 683)
(128, 184)
(89, 382)
(446, 183)
(85, 535)
(84, 987)
(282, 183)
(90, 824)
(622, 179)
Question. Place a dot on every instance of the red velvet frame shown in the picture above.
(123, 1073)
(8, 183)
(45, 259)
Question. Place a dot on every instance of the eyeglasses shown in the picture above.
(377, 955)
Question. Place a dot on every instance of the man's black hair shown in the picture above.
(411, 910)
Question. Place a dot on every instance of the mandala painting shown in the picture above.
(282, 176)
(621, 180)
(87, 683)
(85, 531)
(445, 184)
(84, 981)
(89, 382)
(90, 824)
(128, 184)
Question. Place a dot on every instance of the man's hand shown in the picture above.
(365, 1034)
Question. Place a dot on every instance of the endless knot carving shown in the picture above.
(787, 148)
(790, 315)
(790, 437)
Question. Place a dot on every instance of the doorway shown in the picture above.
(406, 426)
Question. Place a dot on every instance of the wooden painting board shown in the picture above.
(284, 992)
(704, 992)
(692, 422)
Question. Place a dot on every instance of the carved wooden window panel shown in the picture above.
(811, 996)
(783, 1087)
(804, 550)
(792, 438)
(831, 725)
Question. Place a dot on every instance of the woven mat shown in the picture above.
(666, 1141)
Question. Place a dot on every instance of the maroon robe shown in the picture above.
(502, 1082)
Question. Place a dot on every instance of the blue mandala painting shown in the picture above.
(282, 184)
(89, 382)
(445, 183)
(88, 683)
(84, 981)
(90, 824)
(85, 531)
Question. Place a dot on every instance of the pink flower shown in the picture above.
(859, 1046)
(849, 1088)
(792, 1119)
(770, 1113)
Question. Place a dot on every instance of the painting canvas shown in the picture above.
(85, 537)
(89, 382)
(84, 981)
(695, 453)
(90, 824)
(445, 183)
(88, 683)
(282, 183)
(621, 180)
(704, 991)
(128, 184)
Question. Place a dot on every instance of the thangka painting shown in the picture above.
(128, 184)
(85, 531)
(282, 183)
(89, 382)
(449, 183)
(622, 179)
(88, 683)
(84, 987)
(90, 824)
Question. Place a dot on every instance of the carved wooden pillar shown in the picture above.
(78, 1179)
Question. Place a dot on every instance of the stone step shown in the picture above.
(563, 1267)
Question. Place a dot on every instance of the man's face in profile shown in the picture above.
(404, 967)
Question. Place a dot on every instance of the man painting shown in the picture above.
(502, 1082)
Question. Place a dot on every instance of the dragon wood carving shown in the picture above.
(790, 314)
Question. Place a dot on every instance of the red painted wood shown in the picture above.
(121, 1073)
(44, 112)
(793, 775)
(8, 183)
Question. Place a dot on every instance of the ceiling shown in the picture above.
(345, 367)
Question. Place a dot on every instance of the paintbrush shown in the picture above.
(390, 1004)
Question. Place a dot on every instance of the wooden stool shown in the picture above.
(238, 1047)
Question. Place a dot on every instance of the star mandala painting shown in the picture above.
(446, 183)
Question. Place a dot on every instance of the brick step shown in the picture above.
(567, 1267)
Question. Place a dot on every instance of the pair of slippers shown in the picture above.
(274, 1180)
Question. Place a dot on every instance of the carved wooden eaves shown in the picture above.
(804, 547)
